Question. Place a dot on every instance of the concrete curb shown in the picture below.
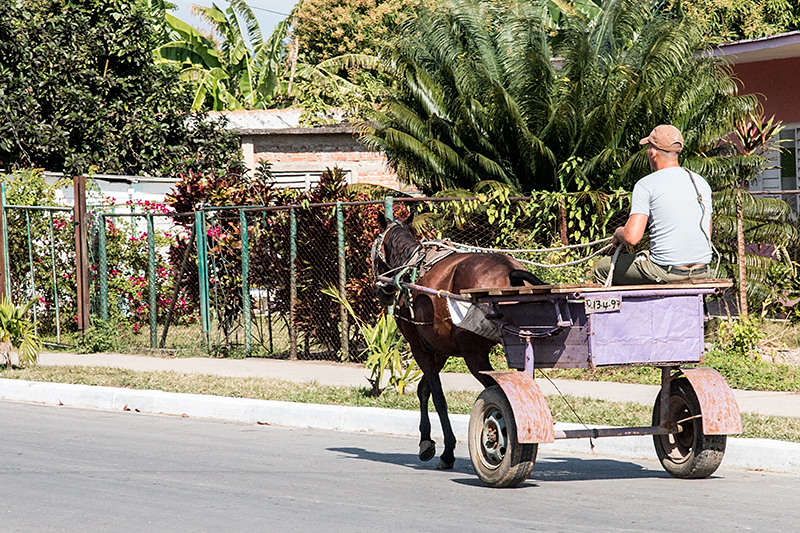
(753, 454)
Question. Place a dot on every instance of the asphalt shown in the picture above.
(759, 454)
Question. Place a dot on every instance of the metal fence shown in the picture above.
(40, 264)
(251, 281)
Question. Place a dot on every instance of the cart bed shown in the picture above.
(583, 326)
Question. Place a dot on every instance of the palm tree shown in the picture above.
(762, 221)
(241, 72)
(483, 92)
(18, 333)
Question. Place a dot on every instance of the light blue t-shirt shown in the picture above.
(670, 202)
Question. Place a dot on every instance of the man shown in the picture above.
(677, 204)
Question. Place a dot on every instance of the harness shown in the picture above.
(421, 260)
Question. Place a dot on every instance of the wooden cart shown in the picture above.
(590, 326)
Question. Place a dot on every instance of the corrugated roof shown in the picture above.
(269, 119)
(781, 46)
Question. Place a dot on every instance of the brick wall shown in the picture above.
(314, 150)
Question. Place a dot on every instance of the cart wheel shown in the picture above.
(498, 459)
(689, 454)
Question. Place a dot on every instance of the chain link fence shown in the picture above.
(270, 271)
(252, 281)
(257, 281)
(41, 265)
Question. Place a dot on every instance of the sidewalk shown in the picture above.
(351, 375)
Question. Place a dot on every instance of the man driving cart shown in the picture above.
(677, 205)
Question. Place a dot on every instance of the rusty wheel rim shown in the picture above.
(678, 446)
(494, 438)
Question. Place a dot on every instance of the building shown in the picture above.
(769, 67)
(299, 155)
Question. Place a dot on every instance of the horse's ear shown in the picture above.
(409, 219)
(382, 220)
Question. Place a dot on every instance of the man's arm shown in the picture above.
(631, 233)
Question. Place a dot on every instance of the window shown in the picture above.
(788, 158)
(781, 173)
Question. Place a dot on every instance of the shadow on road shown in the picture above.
(546, 469)
(402, 459)
(577, 469)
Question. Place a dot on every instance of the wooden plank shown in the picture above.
(594, 287)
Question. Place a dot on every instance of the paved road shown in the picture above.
(66, 469)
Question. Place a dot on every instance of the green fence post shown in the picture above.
(292, 283)
(103, 253)
(388, 207)
(151, 272)
(202, 275)
(6, 267)
(245, 279)
(30, 262)
(55, 276)
(342, 283)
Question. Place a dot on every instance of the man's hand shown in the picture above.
(615, 239)
(631, 233)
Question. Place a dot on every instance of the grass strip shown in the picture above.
(589, 411)
(745, 373)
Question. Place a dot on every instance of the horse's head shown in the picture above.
(395, 245)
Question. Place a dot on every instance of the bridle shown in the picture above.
(377, 252)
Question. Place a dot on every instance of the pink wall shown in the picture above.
(777, 83)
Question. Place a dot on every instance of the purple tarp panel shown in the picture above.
(648, 330)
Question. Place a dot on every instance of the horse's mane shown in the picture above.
(400, 246)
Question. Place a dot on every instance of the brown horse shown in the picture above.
(425, 320)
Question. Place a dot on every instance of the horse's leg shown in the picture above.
(431, 385)
(475, 351)
(448, 457)
(427, 448)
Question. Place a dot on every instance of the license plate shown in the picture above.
(602, 305)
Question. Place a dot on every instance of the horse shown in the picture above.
(425, 321)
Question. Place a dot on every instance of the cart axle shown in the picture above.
(614, 432)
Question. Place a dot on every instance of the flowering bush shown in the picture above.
(128, 282)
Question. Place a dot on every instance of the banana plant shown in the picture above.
(241, 72)
(18, 333)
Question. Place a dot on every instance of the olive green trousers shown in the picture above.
(638, 269)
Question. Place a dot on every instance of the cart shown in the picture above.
(590, 326)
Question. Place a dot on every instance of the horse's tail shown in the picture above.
(519, 277)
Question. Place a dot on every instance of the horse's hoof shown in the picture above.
(444, 465)
(427, 450)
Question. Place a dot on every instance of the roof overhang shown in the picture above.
(782, 46)
(333, 129)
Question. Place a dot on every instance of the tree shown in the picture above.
(329, 28)
(485, 93)
(740, 218)
(241, 72)
(79, 92)
(732, 20)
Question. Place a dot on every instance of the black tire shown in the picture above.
(690, 454)
(497, 457)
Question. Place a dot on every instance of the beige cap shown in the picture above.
(665, 137)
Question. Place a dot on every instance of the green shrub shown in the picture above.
(739, 336)
(100, 336)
